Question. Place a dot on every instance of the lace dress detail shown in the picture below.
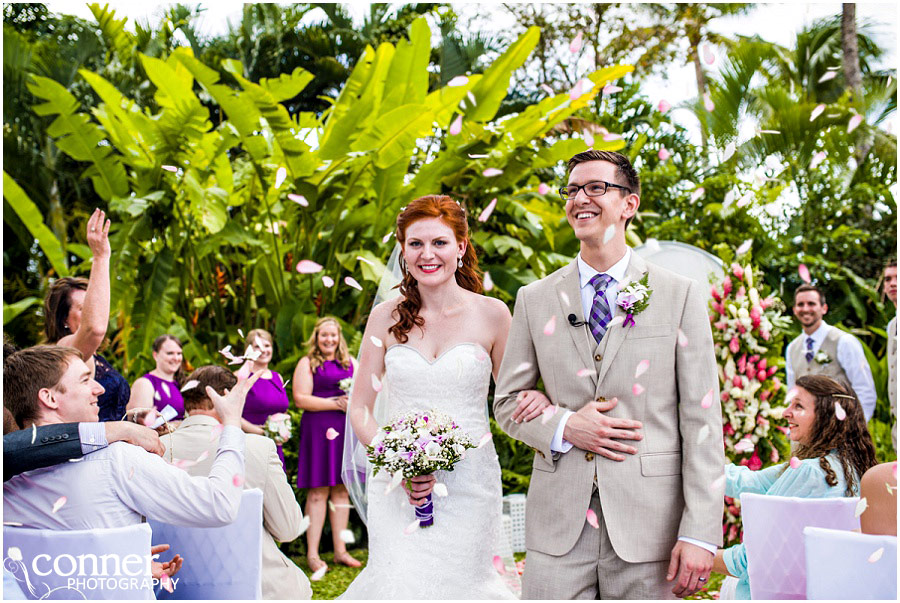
(452, 559)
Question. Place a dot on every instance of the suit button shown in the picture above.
(598, 358)
(65, 436)
(589, 456)
(44, 439)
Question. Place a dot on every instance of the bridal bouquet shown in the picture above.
(416, 444)
(346, 385)
(278, 427)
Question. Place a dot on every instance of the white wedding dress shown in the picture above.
(453, 558)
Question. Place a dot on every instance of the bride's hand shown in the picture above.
(418, 488)
(530, 404)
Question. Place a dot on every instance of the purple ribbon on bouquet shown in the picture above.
(425, 513)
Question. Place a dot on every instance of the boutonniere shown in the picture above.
(634, 298)
(821, 357)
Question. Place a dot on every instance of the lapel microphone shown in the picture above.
(574, 322)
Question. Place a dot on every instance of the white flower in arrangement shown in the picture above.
(278, 427)
(821, 357)
(732, 309)
(433, 449)
(753, 294)
(346, 385)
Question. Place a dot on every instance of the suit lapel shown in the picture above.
(568, 289)
(616, 335)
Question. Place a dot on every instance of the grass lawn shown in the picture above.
(338, 577)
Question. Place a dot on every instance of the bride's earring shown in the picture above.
(460, 262)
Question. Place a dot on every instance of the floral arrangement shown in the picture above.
(748, 330)
(822, 358)
(634, 298)
(346, 385)
(416, 444)
(278, 427)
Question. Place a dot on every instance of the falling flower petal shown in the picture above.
(547, 89)
(876, 555)
(817, 159)
(411, 527)
(816, 112)
(717, 483)
(319, 573)
(637, 389)
(702, 434)
(498, 562)
(459, 80)
(550, 327)
(387, 237)
(351, 282)
(347, 536)
(300, 199)
(576, 90)
(237, 480)
(708, 103)
(854, 123)
(588, 138)
(33, 432)
(190, 385)
(376, 384)
(682, 339)
(304, 524)
(396, 478)
(584, 372)
(745, 445)
(729, 151)
(486, 213)
(745, 199)
(543, 189)
(697, 194)
(332, 433)
(548, 413)
(216, 432)
(166, 582)
(609, 233)
(576, 43)
(456, 126)
(491, 172)
(708, 55)
(828, 75)
(522, 367)
(839, 412)
(308, 267)
(642, 367)
(564, 297)
(484, 439)
(376, 342)
(58, 504)
(745, 247)
(280, 175)
(592, 519)
(611, 136)
(440, 490)
(327, 281)
(241, 333)
(169, 168)
(861, 507)
(707, 400)
(617, 320)
(795, 462)
(663, 154)
(663, 106)
(478, 156)
(362, 259)
(804, 273)
(610, 89)
(488, 281)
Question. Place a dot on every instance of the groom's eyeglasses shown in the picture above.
(591, 189)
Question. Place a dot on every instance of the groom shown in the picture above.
(626, 495)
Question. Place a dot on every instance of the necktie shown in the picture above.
(600, 312)
(809, 352)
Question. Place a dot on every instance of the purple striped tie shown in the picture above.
(600, 313)
(809, 347)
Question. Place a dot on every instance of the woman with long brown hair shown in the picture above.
(834, 450)
(435, 346)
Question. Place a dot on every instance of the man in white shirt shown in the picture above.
(282, 518)
(825, 350)
(890, 288)
(121, 484)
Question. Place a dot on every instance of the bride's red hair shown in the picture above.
(467, 277)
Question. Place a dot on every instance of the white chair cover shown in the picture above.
(220, 563)
(106, 563)
(773, 537)
(847, 565)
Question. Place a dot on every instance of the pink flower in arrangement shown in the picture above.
(764, 334)
(744, 462)
(754, 358)
(739, 403)
(742, 363)
(736, 381)
(715, 293)
(734, 345)
(718, 307)
(728, 429)
(764, 395)
(761, 420)
(726, 286)
(725, 396)
(720, 325)
(774, 457)
(765, 302)
(741, 329)
(772, 371)
(737, 271)
(751, 372)
(733, 532)
(755, 462)
(763, 364)
(741, 292)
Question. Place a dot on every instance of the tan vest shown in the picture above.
(831, 369)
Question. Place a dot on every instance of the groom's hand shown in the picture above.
(692, 565)
(590, 429)
(418, 488)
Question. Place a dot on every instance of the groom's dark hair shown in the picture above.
(624, 170)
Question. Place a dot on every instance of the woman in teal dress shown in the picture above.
(833, 455)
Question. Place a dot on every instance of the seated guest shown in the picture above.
(121, 484)
(24, 450)
(833, 454)
(196, 436)
(879, 488)
(161, 386)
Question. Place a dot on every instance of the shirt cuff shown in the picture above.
(232, 438)
(92, 436)
(703, 545)
(558, 444)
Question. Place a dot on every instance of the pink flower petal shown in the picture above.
(331, 433)
(376, 341)
(550, 327)
(441, 490)
(717, 484)
(548, 89)
(522, 367)
(488, 281)
(169, 168)
(707, 400)
(478, 156)
(816, 112)
(387, 237)
(804, 273)
(576, 90)
(584, 372)
(298, 199)
(795, 462)
(637, 389)
(411, 528)
(702, 434)
(588, 138)
(876, 555)
(280, 175)
(459, 80)
(745, 247)
(854, 123)
(708, 103)
(491, 172)
(663, 154)
(166, 583)
(609, 233)
(730, 148)
(745, 199)
(817, 159)
(592, 519)
(395, 481)
(861, 507)
(215, 432)
(663, 106)
(498, 562)
(839, 412)
(327, 281)
(237, 480)
(543, 189)
(682, 339)
(376, 383)
(486, 213)
(484, 439)
(744, 445)
(351, 282)
(611, 89)
(308, 267)
(548, 413)
(576, 43)
(697, 194)
(610, 136)
(708, 55)
(319, 573)
(456, 126)
(642, 367)
(617, 320)
(58, 504)
(828, 75)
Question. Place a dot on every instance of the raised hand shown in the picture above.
(590, 429)
(170, 568)
(529, 405)
(98, 234)
(231, 405)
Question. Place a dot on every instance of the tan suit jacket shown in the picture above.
(281, 579)
(664, 491)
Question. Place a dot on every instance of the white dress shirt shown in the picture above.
(121, 484)
(851, 357)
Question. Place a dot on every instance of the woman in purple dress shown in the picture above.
(160, 387)
(267, 396)
(318, 393)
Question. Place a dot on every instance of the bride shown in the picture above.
(435, 346)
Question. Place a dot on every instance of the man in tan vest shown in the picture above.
(821, 349)
(890, 288)
(626, 493)
(282, 518)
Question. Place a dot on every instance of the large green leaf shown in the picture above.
(29, 214)
(492, 88)
(287, 86)
(408, 75)
(10, 311)
(393, 136)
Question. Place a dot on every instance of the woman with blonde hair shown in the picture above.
(267, 396)
(317, 391)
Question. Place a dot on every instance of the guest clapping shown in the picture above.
(268, 396)
(317, 390)
(834, 451)
(76, 314)
(161, 386)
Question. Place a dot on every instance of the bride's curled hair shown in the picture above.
(467, 277)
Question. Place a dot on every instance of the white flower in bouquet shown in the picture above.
(346, 385)
(278, 427)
